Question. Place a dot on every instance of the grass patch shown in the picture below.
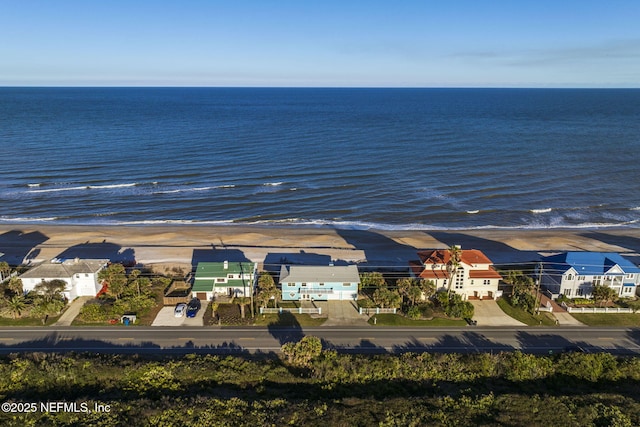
(288, 319)
(608, 319)
(398, 320)
(27, 321)
(519, 314)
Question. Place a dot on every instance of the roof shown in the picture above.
(207, 272)
(484, 274)
(65, 269)
(442, 256)
(319, 274)
(588, 263)
(217, 269)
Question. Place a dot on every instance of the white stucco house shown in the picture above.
(573, 274)
(81, 276)
(475, 277)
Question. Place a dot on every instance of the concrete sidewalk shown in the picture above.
(72, 311)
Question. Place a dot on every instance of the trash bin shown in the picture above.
(126, 321)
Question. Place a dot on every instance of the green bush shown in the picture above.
(95, 312)
(581, 301)
(414, 312)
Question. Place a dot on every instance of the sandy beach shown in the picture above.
(185, 245)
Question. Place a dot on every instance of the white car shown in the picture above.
(180, 310)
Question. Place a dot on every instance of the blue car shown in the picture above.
(193, 307)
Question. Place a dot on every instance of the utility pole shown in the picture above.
(538, 288)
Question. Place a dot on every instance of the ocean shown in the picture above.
(347, 158)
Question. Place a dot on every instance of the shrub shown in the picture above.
(414, 312)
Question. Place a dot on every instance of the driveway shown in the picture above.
(488, 313)
(199, 319)
(342, 313)
(165, 317)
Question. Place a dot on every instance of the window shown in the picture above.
(229, 276)
(220, 280)
(579, 292)
(597, 280)
(472, 281)
(567, 292)
(629, 276)
(346, 284)
(580, 277)
(86, 274)
(459, 283)
(486, 282)
(320, 284)
(569, 276)
(627, 289)
(304, 285)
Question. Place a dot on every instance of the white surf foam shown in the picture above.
(544, 210)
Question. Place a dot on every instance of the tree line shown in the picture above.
(306, 385)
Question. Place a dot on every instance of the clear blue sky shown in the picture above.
(444, 43)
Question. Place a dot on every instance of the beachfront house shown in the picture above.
(320, 283)
(232, 279)
(573, 274)
(475, 277)
(80, 275)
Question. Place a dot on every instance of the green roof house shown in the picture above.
(224, 278)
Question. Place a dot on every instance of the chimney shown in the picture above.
(226, 265)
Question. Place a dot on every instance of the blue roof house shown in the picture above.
(574, 274)
(320, 283)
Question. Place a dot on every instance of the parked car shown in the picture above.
(193, 307)
(180, 309)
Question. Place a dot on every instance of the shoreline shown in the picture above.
(186, 244)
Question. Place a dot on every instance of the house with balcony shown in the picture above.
(474, 278)
(232, 279)
(80, 275)
(319, 283)
(573, 274)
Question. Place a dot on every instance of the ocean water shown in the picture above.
(352, 158)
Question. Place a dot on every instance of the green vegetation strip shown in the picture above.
(515, 389)
(397, 320)
(543, 318)
(608, 319)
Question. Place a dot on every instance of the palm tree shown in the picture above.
(16, 305)
(5, 270)
(15, 285)
(455, 256)
(428, 288)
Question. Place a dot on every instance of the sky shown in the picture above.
(323, 43)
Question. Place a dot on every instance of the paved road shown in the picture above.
(121, 339)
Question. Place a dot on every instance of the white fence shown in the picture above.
(599, 310)
(377, 310)
(298, 310)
